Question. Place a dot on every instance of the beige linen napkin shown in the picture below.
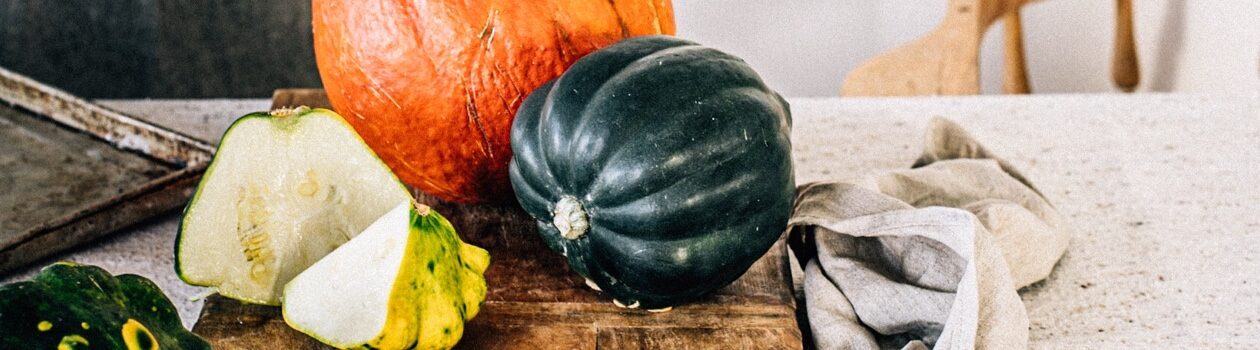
(925, 257)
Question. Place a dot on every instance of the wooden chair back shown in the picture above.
(946, 61)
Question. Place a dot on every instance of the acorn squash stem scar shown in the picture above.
(570, 218)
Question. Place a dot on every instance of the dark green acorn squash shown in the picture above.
(70, 306)
(660, 168)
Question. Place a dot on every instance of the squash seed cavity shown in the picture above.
(309, 185)
(251, 230)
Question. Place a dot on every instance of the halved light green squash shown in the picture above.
(406, 282)
(284, 189)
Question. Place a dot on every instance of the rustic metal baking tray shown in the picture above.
(72, 171)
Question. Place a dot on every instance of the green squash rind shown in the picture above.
(678, 154)
(69, 296)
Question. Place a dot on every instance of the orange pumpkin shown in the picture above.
(432, 85)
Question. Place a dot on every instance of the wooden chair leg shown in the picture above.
(1014, 71)
(1124, 61)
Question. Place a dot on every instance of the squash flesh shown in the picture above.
(280, 194)
(406, 282)
(375, 260)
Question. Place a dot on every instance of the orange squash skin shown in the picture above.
(433, 85)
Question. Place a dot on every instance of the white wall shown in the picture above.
(806, 47)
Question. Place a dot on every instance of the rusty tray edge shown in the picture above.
(189, 156)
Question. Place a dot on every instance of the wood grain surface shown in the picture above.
(535, 302)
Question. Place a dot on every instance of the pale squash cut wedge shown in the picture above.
(283, 190)
(406, 282)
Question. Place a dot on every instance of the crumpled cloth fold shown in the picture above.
(926, 257)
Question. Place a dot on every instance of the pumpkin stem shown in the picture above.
(570, 218)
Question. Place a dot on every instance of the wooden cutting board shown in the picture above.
(535, 302)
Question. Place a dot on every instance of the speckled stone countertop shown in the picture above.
(1163, 192)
